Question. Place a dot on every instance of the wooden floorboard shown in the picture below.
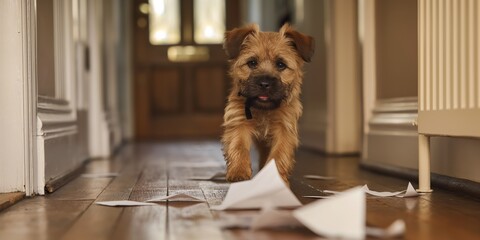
(81, 189)
(8, 199)
(191, 220)
(148, 170)
(40, 218)
(147, 222)
(432, 216)
(99, 222)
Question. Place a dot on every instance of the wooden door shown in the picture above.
(180, 88)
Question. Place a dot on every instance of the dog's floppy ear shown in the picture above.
(305, 45)
(234, 39)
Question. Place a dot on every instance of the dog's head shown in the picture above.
(267, 66)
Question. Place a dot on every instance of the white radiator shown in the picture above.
(449, 73)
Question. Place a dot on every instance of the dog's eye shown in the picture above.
(252, 64)
(281, 65)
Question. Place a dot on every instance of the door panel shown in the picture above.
(210, 88)
(165, 91)
(180, 89)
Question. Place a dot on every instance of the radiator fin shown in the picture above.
(449, 32)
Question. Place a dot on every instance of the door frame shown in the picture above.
(32, 166)
(333, 125)
(20, 172)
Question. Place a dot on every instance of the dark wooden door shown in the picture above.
(180, 88)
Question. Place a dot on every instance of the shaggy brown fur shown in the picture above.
(266, 68)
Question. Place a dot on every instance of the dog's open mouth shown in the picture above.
(265, 102)
(263, 98)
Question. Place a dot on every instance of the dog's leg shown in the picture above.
(284, 143)
(236, 147)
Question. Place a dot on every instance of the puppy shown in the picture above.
(264, 103)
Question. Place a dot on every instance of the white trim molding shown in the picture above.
(55, 118)
(394, 116)
(29, 30)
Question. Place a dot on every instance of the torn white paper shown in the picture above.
(340, 217)
(266, 187)
(409, 192)
(395, 229)
(318, 177)
(124, 203)
(220, 176)
(177, 198)
(99, 175)
(274, 218)
(381, 194)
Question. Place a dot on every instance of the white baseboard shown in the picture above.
(61, 143)
(392, 135)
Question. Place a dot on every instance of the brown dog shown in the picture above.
(264, 104)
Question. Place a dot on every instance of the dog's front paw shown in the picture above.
(237, 175)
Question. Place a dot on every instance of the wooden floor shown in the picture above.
(149, 170)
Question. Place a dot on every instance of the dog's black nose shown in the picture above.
(265, 82)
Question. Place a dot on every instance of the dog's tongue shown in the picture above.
(263, 97)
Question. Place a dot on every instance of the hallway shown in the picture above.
(110, 87)
(149, 170)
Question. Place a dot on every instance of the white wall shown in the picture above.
(12, 140)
